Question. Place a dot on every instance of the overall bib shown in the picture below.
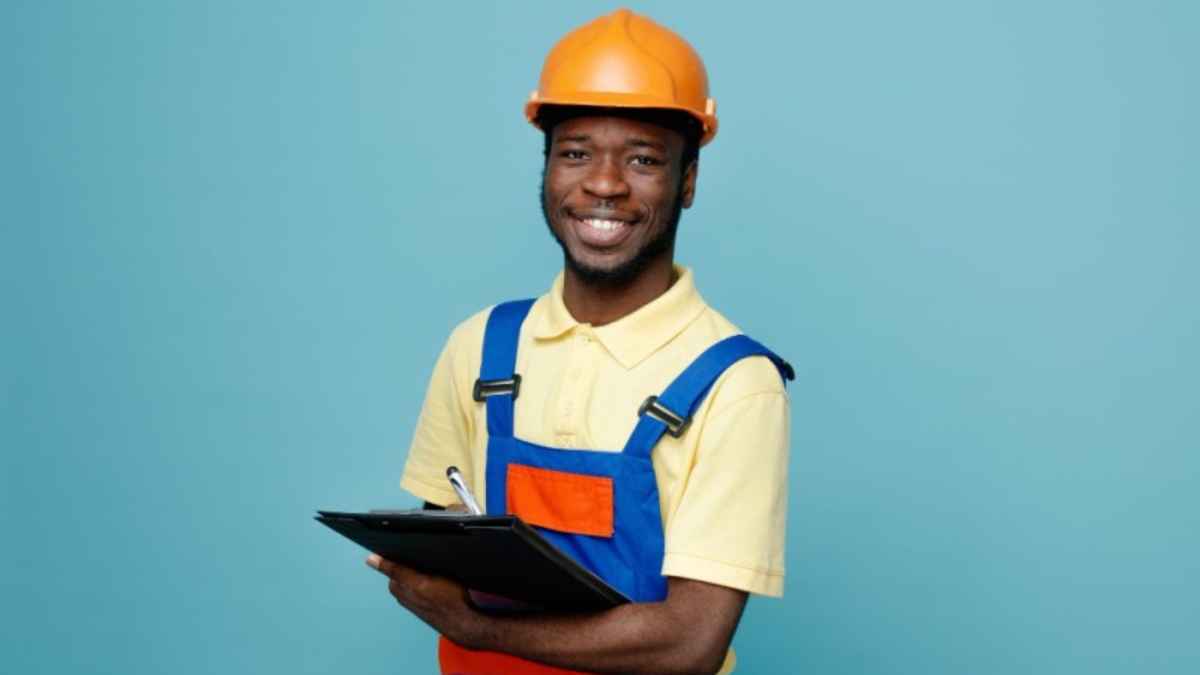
(601, 508)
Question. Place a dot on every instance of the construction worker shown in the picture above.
(630, 423)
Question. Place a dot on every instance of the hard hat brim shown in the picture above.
(708, 122)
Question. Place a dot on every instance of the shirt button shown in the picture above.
(567, 409)
(583, 339)
(574, 375)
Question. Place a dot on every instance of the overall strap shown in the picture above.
(671, 412)
(498, 382)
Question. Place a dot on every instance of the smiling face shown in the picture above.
(612, 195)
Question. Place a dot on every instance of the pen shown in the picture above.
(464, 493)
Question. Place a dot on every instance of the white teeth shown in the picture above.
(603, 224)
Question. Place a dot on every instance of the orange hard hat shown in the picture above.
(626, 61)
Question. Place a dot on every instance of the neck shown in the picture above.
(603, 305)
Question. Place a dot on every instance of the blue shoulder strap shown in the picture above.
(498, 382)
(672, 411)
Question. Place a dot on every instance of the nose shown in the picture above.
(606, 179)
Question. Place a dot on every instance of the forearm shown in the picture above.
(688, 633)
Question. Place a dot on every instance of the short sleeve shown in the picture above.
(729, 527)
(446, 426)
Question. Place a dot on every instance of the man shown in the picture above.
(570, 411)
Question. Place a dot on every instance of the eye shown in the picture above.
(645, 160)
(573, 155)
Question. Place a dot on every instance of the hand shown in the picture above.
(438, 601)
(688, 632)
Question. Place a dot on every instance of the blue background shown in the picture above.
(235, 235)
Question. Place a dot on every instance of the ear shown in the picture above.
(688, 189)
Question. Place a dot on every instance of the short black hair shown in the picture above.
(677, 120)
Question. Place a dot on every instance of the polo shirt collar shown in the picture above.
(633, 338)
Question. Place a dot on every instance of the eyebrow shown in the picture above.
(634, 142)
(646, 143)
(573, 138)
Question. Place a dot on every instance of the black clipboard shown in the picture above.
(498, 555)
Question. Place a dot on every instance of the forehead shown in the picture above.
(622, 130)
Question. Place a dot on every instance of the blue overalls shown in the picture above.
(601, 508)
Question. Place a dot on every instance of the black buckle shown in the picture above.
(496, 387)
(788, 371)
(676, 424)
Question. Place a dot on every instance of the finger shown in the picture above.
(385, 566)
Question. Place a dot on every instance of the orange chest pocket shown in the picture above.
(561, 501)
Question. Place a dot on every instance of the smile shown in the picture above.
(602, 224)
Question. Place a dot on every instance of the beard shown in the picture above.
(626, 272)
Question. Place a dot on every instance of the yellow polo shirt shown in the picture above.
(722, 486)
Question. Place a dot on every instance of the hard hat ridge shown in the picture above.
(625, 60)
